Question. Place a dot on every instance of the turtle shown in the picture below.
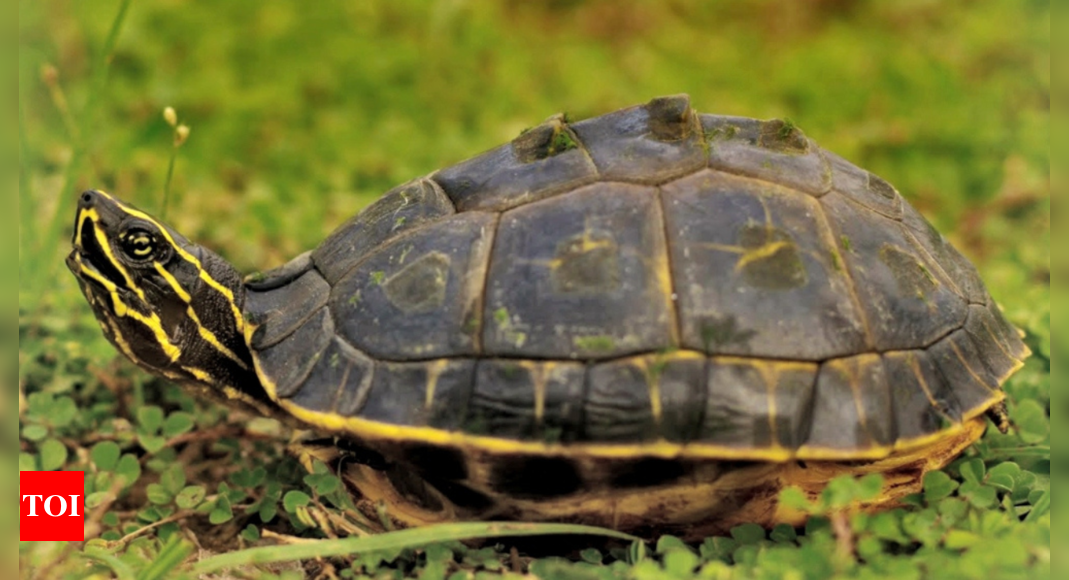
(652, 320)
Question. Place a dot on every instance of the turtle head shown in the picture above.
(171, 306)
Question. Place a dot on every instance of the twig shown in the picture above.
(51, 235)
(283, 538)
(22, 395)
(50, 77)
(62, 556)
(208, 435)
(92, 524)
(844, 535)
(351, 528)
(128, 537)
(514, 559)
(327, 572)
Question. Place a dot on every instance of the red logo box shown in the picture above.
(52, 506)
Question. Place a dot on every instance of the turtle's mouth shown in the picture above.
(89, 261)
(81, 265)
(95, 284)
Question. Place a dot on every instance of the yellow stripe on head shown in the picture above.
(239, 320)
(136, 274)
(105, 246)
(204, 331)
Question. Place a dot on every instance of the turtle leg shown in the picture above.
(1000, 416)
(391, 494)
(396, 495)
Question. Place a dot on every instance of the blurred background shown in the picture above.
(301, 113)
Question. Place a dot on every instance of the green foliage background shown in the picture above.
(303, 112)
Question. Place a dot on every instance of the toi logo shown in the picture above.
(52, 506)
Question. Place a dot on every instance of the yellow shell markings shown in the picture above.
(998, 343)
(850, 369)
(239, 320)
(587, 243)
(433, 373)
(769, 372)
(770, 376)
(367, 429)
(770, 248)
(539, 374)
(653, 384)
(662, 269)
(1018, 361)
(757, 254)
(972, 373)
(268, 385)
(825, 231)
(750, 255)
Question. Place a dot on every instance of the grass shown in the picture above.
(302, 114)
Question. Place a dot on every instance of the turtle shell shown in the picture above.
(627, 302)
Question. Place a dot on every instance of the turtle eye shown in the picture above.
(139, 244)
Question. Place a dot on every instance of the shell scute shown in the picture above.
(904, 301)
(959, 362)
(286, 364)
(531, 400)
(918, 394)
(563, 270)
(543, 161)
(401, 209)
(982, 328)
(646, 398)
(419, 295)
(864, 188)
(425, 394)
(740, 249)
(278, 311)
(280, 276)
(649, 144)
(962, 275)
(774, 151)
(754, 403)
(338, 381)
(852, 405)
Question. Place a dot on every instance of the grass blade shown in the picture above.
(410, 538)
(1040, 509)
(121, 569)
(26, 200)
(169, 558)
(46, 250)
(1037, 451)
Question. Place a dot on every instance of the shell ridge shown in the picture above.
(356, 405)
(676, 329)
(368, 255)
(479, 309)
(932, 262)
(806, 426)
(851, 284)
(437, 187)
(581, 146)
